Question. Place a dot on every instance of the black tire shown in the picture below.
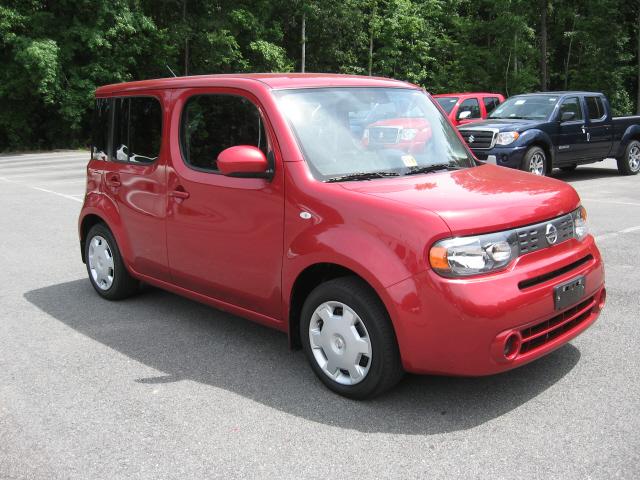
(123, 284)
(385, 369)
(626, 164)
(568, 168)
(535, 154)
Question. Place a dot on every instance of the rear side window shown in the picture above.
(490, 103)
(212, 123)
(100, 129)
(595, 108)
(127, 129)
(470, 105)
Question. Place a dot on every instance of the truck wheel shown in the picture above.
(629, 164)
(535, 161)
(107, 272)
(569, 168)
(348, 339)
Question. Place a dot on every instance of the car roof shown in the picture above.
(561, 93)
(468, 94)
(274, 81)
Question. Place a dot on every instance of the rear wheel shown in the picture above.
(535, 161)
(105, 267)
(348, 339)
(629, 163)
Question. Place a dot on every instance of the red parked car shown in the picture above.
(463, 108)
(261, 195)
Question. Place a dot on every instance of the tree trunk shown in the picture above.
(638, 34)
(304, 41)
(186, 38)
(515, 54)
(371, 22)
(544, 78)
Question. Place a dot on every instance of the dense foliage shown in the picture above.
(53, 54)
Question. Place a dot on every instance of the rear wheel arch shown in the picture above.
(87, 223)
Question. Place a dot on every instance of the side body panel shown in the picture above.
(139, 191)
(225, 240)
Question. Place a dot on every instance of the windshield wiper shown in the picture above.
(432, 168)
(361, 176)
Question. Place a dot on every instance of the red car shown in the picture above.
(257, 194)
(463, 108)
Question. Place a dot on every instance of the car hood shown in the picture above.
(478, 200)
(505, 125)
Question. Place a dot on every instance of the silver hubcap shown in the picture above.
(340, 343)
(536, 164)
(634, 158)
(101, 262)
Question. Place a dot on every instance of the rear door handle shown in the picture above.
(179, 193)
(113, 180)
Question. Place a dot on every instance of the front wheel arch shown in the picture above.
(306, 281)
(530, 152)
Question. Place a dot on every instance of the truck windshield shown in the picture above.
(447, 103)
(530, 107)
(364, 133)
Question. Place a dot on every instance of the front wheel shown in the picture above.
(348, 339)
(535, 161)
(629, 164)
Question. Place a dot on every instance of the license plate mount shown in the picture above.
(568, 293)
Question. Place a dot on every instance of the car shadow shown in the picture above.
(585, 173)
(185, 340)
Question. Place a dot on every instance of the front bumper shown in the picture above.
(504, 156)
(458, 326)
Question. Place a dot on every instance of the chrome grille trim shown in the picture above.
(533, 237)
(481, 136)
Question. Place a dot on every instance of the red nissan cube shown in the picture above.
(345, 211)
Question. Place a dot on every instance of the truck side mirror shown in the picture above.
(464, 115)
(567, 116)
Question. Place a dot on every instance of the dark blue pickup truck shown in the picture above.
(540, 131)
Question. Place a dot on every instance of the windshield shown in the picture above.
(531, 107)
(363, 133)
(447, 103)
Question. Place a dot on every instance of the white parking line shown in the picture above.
(68, 197)
(615, 202)
(606, 236)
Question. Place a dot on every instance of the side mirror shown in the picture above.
(464, 115)
(243, 161)
(567, 116)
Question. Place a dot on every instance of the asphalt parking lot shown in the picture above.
(162, 387)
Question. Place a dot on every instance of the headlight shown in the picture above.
(464, 256)
(580, 227)
(408, 133)
(505, 138)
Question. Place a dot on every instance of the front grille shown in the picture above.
(479, 139)
(538, 335)
(534, 237)
(383, 135)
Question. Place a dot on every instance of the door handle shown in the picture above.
(179, 192)
(113, 180)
